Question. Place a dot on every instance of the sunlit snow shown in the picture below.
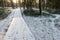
(30, 28)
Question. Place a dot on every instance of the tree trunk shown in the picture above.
(3, 4)
(40, 6)
(12, 4)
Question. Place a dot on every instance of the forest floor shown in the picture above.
(42, 28)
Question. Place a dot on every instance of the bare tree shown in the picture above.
(12, 4)
(40, 6)
(3, 3)
(20, 6)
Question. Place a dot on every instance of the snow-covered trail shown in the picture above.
(18, 29)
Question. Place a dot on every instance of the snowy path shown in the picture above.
(18, 29)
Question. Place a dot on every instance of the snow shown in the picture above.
(30, 28)
(43, 28)
(1, 36)
(18, 29)
(4, 24)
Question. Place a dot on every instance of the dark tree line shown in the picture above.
(32, 3)
(53, 4)
(29, 4)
